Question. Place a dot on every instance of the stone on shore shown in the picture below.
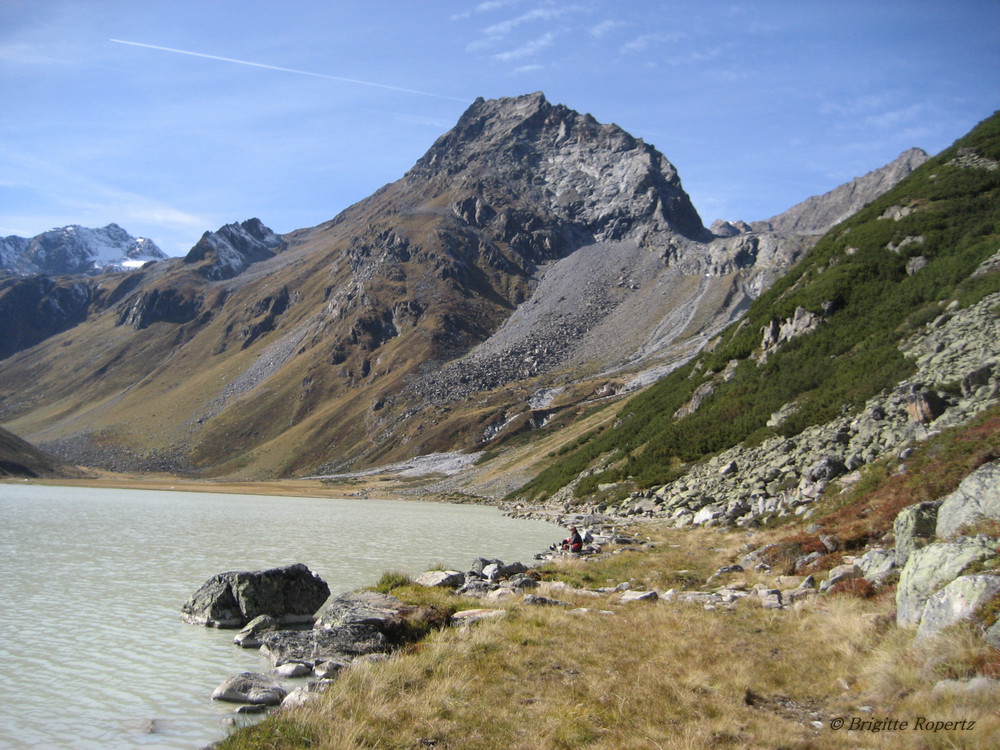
(321, 645)
(250, 687)
(380, 611)
(291, 595)
(249, 636)
(443, 578)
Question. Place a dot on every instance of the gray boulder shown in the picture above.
(443, 578)
(316, 646)
(250, 687)
(638, 596)
(914, 527)
(380, 611)
(976, 499)
(956, 602)
(933, 567)
(971, 687)
(291, 595)
(877, 565)
(480, 563)
(477, 587)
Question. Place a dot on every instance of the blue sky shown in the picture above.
(174, 117)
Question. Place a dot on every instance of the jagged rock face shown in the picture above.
(156, 305)
(233, 248)
(76, 250)
(578, 174)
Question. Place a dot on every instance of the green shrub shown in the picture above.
(391, 579)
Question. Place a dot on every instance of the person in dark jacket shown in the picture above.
(574, 542)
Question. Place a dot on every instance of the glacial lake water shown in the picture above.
(93, 652)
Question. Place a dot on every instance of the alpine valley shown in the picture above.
(779, 438)
(532, 267)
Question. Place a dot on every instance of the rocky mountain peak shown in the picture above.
(596, 177)
(232, 248)
(76, 250)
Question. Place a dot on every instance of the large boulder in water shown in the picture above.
(291, 595)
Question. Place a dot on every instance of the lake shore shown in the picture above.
(375, 487)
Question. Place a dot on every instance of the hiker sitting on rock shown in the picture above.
(574, 542)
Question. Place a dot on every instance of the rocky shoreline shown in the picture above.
(944, 574)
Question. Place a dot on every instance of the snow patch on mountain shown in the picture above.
(77, 250)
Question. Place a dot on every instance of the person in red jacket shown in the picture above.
(574, 542)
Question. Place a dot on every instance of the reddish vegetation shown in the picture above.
(933, 470)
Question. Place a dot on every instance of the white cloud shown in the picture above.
(527, 49)
(69, 197)
(541, 14)
(25, 54)
(485, 7)
(605, 27)
(643, 42)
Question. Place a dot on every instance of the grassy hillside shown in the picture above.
(861, 280)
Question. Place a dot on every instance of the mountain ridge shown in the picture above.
(355, 342)
(76, 250)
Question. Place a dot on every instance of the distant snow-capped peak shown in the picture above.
(77, 250)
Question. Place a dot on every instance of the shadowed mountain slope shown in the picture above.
(21, 459)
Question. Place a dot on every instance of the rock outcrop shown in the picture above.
(291, 595)
(33, 309)
(976, 500)
(231, 249)
(957, 602)
(933, 567)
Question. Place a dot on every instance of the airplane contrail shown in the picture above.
(289, 70)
